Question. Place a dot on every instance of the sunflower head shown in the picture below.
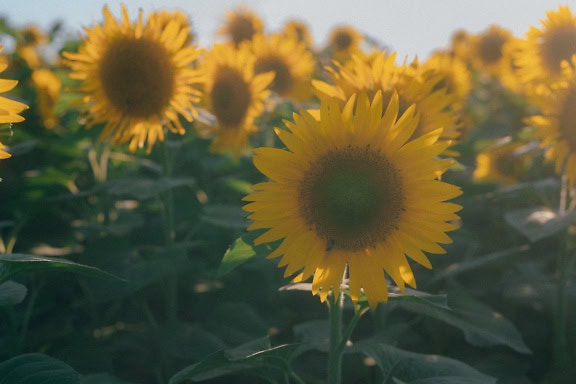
(48, 87)
(433, 103)
(456, 77)
(343, 41)
(234, 95)
(544, 49)
(461, 45)
(289, 60)
(9, 109)
(503, 162)
(299, 31)
(488, 50)
(136, 77)
(352, 192)
(241, 24)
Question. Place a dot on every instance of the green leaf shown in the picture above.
(12, 293)
(242, 250)
(482, 326)
(15, 264)
(224, 216)
(445, 380)
(37, 368)
(188, 341)
(538, 222)
(409, 366)
(254, 358)
(101, 378)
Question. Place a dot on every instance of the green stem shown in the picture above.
(170, 237)
(335, 306)
(560, 326)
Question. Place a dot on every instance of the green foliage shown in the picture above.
(37, 368)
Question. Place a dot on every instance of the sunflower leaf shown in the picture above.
(410, 368)
(12, 293)
(254, 358)
(537, 223)
(37, 368)
(16, 264)
(242, 250)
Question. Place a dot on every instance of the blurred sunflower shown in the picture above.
(235, 95)
(456, 77)
(289, 60)
(544, 49)
(556, 123)
(9, 109)
(351, 192)
(47, 86)
(502, 162)
(28, 41)
(434, 104)
(343, 42)
(299, 31)
(136, 78)
(487, 54)
(461, 45)
(241, 24)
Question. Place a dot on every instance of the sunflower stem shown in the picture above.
(335, 306)
(170, 235)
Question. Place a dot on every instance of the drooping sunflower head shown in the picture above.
(556, 123)
(9, 109)
(241, 24)
(136, 78)
(289, 60)
(48, 87)
(352, 192)
(433, 103)
(299, 31)
(545, 48)
(343, 41)
(234, 95)
(503, 162)
(488, 50)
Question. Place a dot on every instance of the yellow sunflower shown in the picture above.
(353, 193)
(456, 77)
(234, 95)
(48, 87)
(488, 47)
(461, 45)
(241, 24)
(343, 41)
(556, 123)
(289, 60)
(381, 73)
(544, 49)
(28, 42)
(136, 78)
(502, 162)
(9, 109)
(299, 31)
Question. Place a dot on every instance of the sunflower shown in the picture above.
(556, 123)
(234, 95)
(241, 24)
(136, 78)
(456, 77)
(289, 60)
(488, 47)
(461, 45)
(299, 31)
(343, 41)
(352, 192)
(28, 41)
(503, 162)
(9, 109)
(544, 49)
(381, 73)
(48, 87)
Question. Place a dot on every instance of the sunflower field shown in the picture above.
(269, 210)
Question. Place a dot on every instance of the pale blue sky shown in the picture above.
(411, 27)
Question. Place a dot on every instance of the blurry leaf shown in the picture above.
(224, 216)
(12, 293)
(101, 378)
(15, 264)
(242, 250)
(254, 358)
(189, 341)
(482, 325)
(446, 380)
(538, 222)
(145, 188)
(237, 322)
(479, 262)
(37, 368)
(410, 367)
(315, 332)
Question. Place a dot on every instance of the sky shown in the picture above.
(409, 27)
